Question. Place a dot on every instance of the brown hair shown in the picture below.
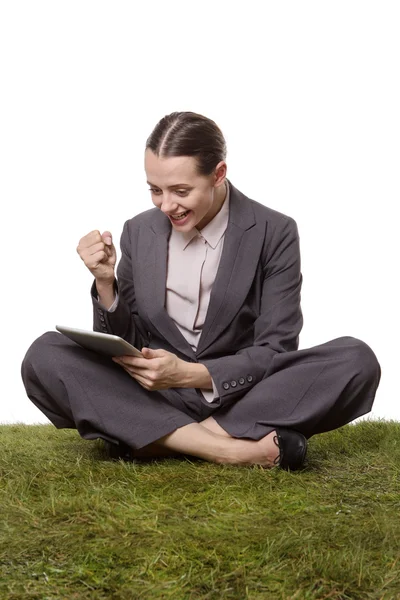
(189, 134)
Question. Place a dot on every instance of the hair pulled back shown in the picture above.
(189, 134)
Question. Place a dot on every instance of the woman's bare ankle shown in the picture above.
(263, 452)
(211, 424)
(196, 440)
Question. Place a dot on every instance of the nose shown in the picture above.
(168, 204)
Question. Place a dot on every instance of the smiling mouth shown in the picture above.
(180, 216)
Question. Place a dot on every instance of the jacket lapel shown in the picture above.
(238, 263)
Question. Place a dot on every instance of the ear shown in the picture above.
(220, 173)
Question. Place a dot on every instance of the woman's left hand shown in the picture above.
(159, 370)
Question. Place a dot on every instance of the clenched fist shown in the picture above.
(99, 255)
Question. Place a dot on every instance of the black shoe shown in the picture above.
(118, 451)
(292, 448)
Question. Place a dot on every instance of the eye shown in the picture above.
(154, 191)
(182, 192)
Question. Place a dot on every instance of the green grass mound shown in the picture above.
(76, 525)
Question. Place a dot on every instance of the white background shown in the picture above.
(307, 96)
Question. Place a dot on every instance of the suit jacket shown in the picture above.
(254, 310)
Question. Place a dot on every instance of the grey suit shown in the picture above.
(249, 344)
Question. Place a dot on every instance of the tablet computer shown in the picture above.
(103, 343)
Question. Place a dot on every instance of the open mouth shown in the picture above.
(182, 217)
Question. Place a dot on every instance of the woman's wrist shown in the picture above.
(196, 375)
(106, 293)
(102, 284)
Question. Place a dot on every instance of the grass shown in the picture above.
(76, 525)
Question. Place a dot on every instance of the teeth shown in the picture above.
(176, 216)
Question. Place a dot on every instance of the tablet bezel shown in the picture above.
(103, 343)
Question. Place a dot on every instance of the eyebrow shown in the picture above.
(170, 187)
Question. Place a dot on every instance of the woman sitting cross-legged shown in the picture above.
(208, 288)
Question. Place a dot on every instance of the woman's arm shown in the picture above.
(124, 320)
(279, 323)
(196, 375)
(106, 294)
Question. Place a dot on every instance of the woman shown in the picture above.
(208, 287)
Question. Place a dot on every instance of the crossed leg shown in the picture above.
(210, 441)
(327, 386)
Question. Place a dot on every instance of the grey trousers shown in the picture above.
(311, 390)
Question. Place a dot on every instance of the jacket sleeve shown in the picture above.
(278, 325)
(124, 320)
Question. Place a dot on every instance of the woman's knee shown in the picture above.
(40, 349)
(364, 359)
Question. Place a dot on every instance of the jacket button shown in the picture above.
(241, 380)
(102, 318)
(249, 378)
(225, 385)
(233, 383)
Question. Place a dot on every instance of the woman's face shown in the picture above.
(176, 187)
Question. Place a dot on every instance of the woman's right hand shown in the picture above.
(99, 255)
